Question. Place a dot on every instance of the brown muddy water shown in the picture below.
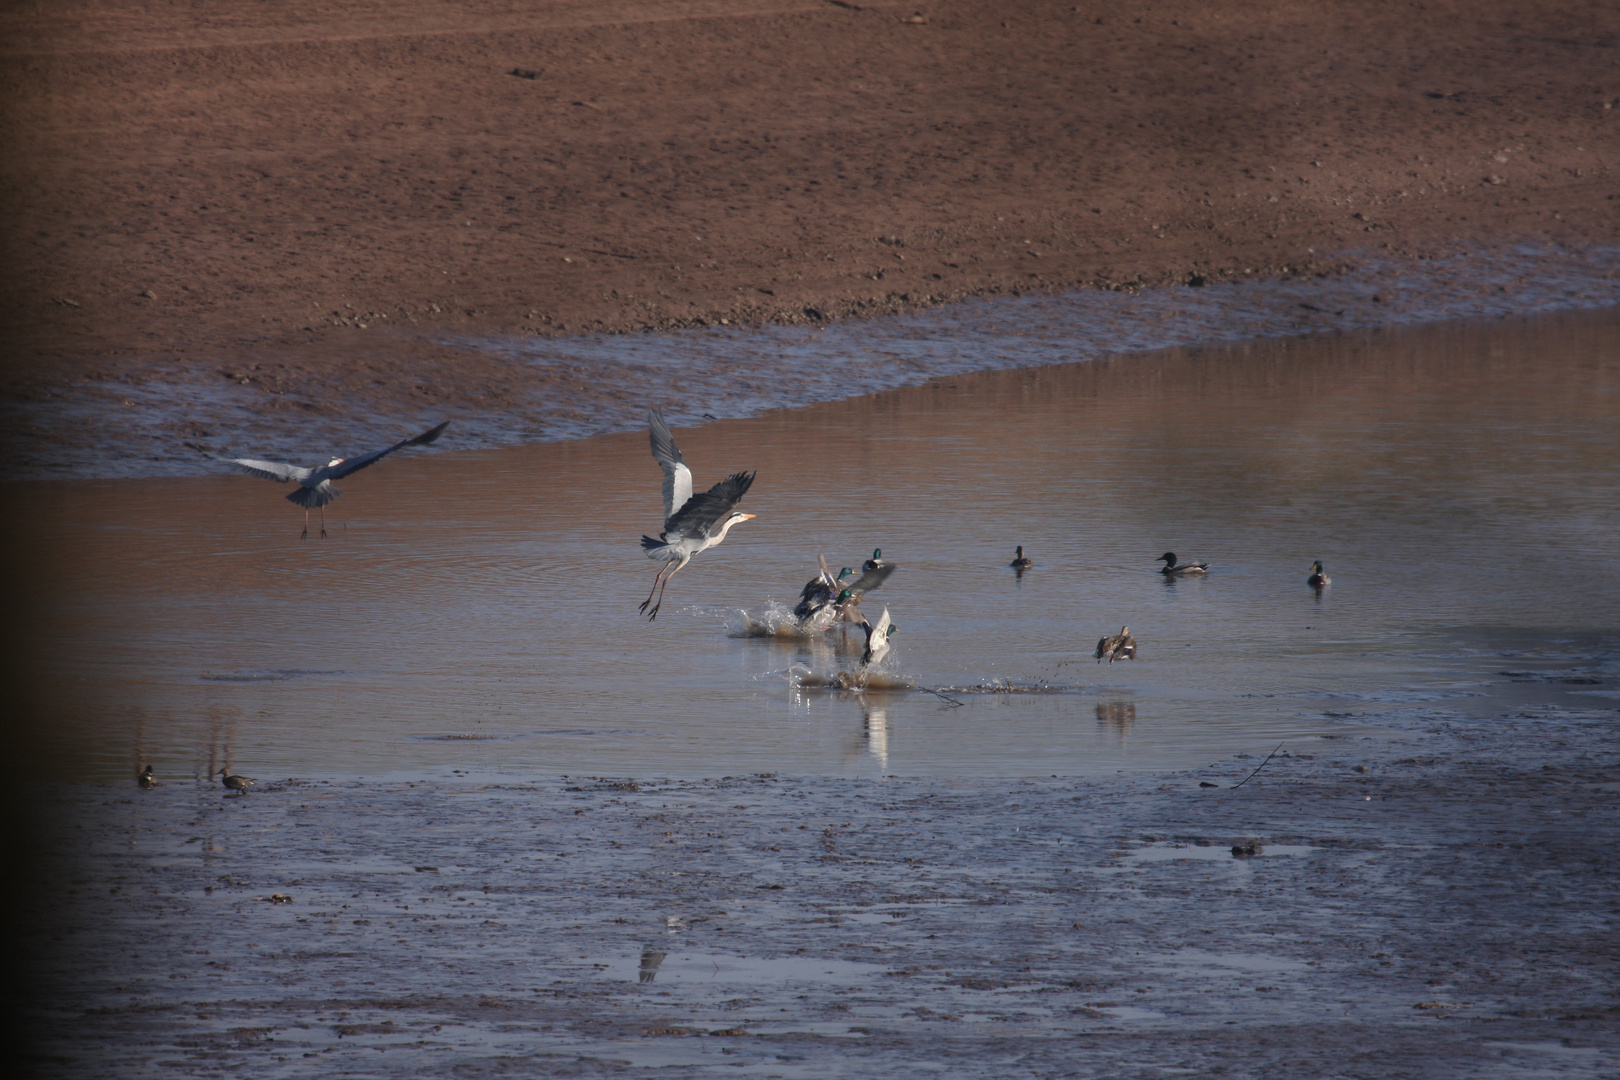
(477, 611)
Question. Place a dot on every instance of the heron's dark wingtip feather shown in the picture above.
(429, 436)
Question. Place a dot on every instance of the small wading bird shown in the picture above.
(1020, 563)
(315, 482)
(692, 523)
(234, 782)
(1318, 576)
(1120, 646)
(1171, 569)
(146, 779)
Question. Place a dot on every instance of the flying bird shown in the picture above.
(1172, 569)
(877, 639)
(692, 523)
(1318, 577)
(1120, 646)
(315, 482)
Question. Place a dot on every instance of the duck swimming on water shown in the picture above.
(1318, 577)
(1173, 569)
(1020, 562)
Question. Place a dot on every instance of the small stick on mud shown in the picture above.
(1262, 765)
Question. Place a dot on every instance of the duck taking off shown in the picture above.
(1318, 578)
(692, 523)
(1120, 646)
(315, 482)
(877, 639)
(1174, 569)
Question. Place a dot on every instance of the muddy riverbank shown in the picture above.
(1441, 904)
(312, 199)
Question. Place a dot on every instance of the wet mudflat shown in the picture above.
(1443, 906)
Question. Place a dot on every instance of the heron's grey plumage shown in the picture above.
(315, 482)
(677, 477)
(699, 522)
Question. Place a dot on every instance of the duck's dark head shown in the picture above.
(1168, 558)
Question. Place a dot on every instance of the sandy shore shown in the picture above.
(314, 199)
(1440, 904)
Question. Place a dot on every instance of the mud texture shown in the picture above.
(1437, 905)
(317, 199)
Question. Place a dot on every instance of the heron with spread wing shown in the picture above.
(315, 482)
(692, 523)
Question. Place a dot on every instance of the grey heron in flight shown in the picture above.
(1174, 569)
(315, 482)
(1318, 578)
(692, 523)
(1120, 646)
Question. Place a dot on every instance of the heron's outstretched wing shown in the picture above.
(702, 512)
(269, 470)
(871, 579)
(354, 465)
(677, 477)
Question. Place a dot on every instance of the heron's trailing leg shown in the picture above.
(654, 589)
(323, 522)
(653, 614)
(305, 534)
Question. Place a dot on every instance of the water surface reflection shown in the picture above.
(478, 613)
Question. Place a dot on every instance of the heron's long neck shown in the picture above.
(725, 527)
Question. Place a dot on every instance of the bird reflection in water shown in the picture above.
(875, 727)
(1119, 715)
(649, 964)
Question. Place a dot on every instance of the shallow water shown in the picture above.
(476, 611)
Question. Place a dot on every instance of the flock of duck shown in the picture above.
(693, 522)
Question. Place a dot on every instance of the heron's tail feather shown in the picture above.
(311, 497)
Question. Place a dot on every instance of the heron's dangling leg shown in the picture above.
(305, 534)
(323, 521)
(653, 614)
(654, 588)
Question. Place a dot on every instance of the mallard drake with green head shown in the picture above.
(1318, 578)
(1020, 561)
(1174, 569)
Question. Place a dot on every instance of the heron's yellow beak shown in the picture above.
(747, 517)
